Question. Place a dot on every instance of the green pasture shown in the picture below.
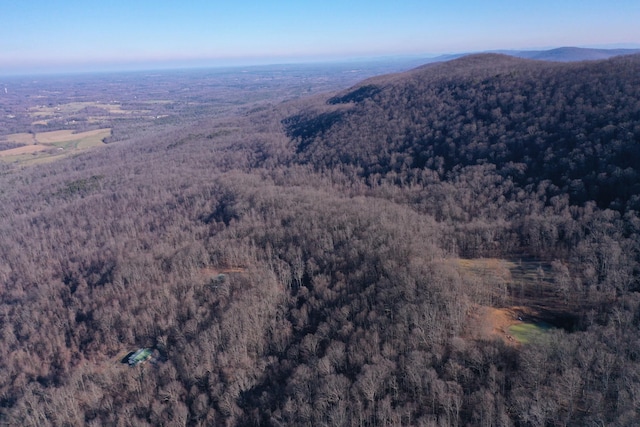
(526, 333)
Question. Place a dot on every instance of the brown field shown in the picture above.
(55, 136)
(66, 142)
(20, 138)
(27, 149)
(486, 267)
(74, 107)
(58, 136)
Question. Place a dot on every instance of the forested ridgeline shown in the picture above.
(574, 126)
(299, 265)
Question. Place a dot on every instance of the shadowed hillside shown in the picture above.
(573, 127)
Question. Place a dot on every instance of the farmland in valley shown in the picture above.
(47, 146)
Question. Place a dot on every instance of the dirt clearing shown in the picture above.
(515, 300)
(487, 323)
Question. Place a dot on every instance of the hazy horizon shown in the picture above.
(71, 36)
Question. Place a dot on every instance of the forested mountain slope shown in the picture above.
(338, 260)
(575, 126)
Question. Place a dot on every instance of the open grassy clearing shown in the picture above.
(53, 145)
(517, 303)
(514, 325)
(526, 332)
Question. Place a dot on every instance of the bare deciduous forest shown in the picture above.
(452, 245)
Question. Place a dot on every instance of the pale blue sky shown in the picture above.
(51, 34)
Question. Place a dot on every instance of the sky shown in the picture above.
(54, 35)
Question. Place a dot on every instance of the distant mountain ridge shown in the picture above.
(571, 54)
(561, 54)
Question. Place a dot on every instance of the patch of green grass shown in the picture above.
(526, 333)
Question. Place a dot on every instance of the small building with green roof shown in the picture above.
(140, 356)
